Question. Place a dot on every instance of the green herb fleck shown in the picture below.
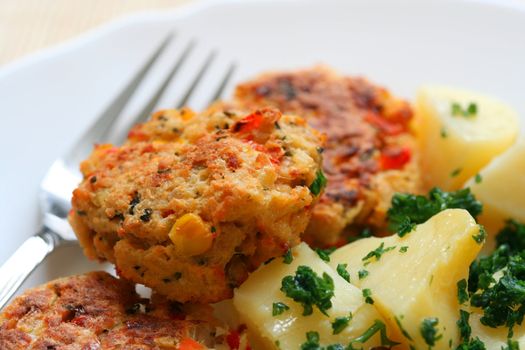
(341, 323)
(458, 111)
(481, 235)
(312, 342)
(429, 332)
(456, 172)
(362, 274)
(403, 249)
(462, 291)
(403, 330)
(478, 178)
(367, 294)
(377, 326)
(278, 308)
(319, 183)
(464, 328)
(444, 133)
(341, 270)
(288, 257)
(511, 345)
(324, 254)
(377, 253)
(308, 289)
(409, 210)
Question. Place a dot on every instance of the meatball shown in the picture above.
(370, 150)
(191, 203)
(98, 311)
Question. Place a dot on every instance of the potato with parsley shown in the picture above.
(299, 300)
(501, 188)
(459, 132)
(412, 280)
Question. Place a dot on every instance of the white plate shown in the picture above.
(47, 100)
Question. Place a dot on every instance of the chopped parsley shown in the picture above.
(464, 328)
(456, 172)
(403, 249)
(462, 291)
(481, 235)
(288, 257)
(377, 253)
(319, 183)
(511, 345)
(324, 254)
(409, 210)
(278, 308)
(377, 326)
(472, 344)
(403, 330)
(429, 332)
(362, 274)
(312, 341)
(478, 178)
(458, 111)
(341, 323)
(341, 270)
(502, 300)
(308, 289)
(367, 294)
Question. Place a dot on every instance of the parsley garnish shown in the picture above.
(319, 183)
(377, 253)
(456, 172)
(409, 210)
(478, 178)
(367, 294)
(308, 289)
(341, 323)
(278, 308)
(429, 332)
(288, 257)
(502, 301)
(511, 345)
(403, 330)
(470, 111)
(462, 291)
(403, 249)
(341, 270)
(464, 328)
(481, 235)
(312, 341)
(324, 254)
(362, 274)
(378, 326)
(472, 344)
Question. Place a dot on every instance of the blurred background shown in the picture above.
(29, 25)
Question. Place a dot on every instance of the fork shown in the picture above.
(63, 176)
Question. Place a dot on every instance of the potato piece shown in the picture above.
(254, 300)
(501, 189)
(455, 146)
(408, 287)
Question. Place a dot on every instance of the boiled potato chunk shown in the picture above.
(254, 300)
(459, 132)
(417, 278)
(501, 189)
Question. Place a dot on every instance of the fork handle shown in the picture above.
(24, 260)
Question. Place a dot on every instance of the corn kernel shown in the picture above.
(190, 235)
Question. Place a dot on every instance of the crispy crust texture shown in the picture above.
(370, 151)
(97, 311)
(246, 176)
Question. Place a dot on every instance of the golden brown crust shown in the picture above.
(244, 177)
(96, 311)
(369, 153)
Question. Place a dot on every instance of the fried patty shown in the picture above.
(370, 149)
(97, 311)
(191, 203)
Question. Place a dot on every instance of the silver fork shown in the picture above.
(63, 175)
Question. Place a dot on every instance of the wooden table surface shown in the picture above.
(29, 25)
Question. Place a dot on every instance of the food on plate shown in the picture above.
(459, 133)
(501, 188)
(98, 311)
(299, 299)
(412, 280)
(190, 204)
(370, 150)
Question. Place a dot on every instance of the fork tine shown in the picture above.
(223, 83)
(197, 79)
(101, 126)
(150, 105)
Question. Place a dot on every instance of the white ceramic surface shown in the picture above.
(47, 100)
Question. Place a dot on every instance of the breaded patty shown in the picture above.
(97, 311)
(369, 154)
(191, 203)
